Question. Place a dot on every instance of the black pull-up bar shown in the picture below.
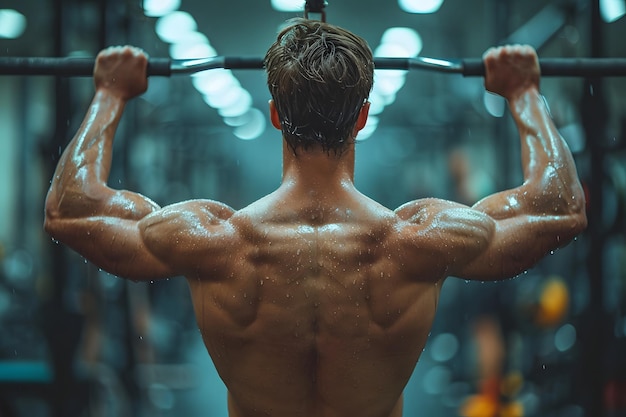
(76, 67)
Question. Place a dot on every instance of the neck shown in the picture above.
(315, 169)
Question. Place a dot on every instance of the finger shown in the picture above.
(491, 52)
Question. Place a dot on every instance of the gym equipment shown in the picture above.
(73, 67)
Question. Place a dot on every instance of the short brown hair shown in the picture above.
(319, 76)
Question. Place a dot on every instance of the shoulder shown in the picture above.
(419, 210)
(186, 225)
(192, 212)
(447, 228)
(445, 213)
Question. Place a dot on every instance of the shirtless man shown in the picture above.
(316, 301)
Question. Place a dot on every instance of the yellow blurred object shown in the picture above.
(479, 406)
(513, 409)
(553, 303)
(486, 406)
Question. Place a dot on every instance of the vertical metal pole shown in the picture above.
(21, 202)
(594, 117)
(62, 329)
(502, 9)
(61, 325)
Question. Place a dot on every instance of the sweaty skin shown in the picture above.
(316, 301)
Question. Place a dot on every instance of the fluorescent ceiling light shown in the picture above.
(253, 128)
(158, 8)
(420, 6)
(612, 10)
(214, 82)
(238, 108)
(228, 98)
(406, 38)
(288, 5)
(192, 45)
(183, 50)
(175, 26)
(12, 23)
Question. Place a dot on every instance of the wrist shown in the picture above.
(525, 98)
(111, 95)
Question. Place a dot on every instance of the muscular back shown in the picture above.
(315, 312)
(316, 305)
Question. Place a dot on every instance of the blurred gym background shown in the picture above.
(76, 341)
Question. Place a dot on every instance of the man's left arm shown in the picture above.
(82, 212)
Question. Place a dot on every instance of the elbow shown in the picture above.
(580, 222)
(50, 221)
(575, 224)
(578, 214)
(52, 216)
(573, 211)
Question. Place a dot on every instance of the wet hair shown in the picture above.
(319, 76)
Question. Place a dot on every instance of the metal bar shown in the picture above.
(71, 67)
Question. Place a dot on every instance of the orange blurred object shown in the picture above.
(553, 302)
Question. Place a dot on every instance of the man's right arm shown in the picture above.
(548, 210)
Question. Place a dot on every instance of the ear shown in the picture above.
(274, 116)
(360, 122)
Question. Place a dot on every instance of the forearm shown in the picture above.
(550, 177)
(83, 170)
(551, 185)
